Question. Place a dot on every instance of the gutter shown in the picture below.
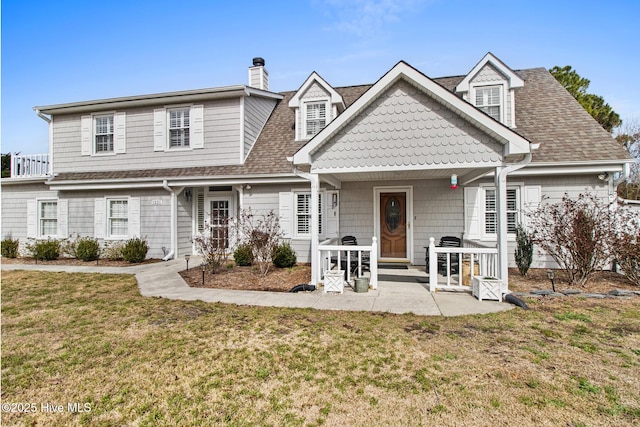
(174, 222)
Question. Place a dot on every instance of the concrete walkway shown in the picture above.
(163, 280)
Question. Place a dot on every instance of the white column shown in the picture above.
(501, 209)
(315, 221)
(433, 265)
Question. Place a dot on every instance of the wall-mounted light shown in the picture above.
(247, 186)
(334, 200)
(603, 176)
(454, 181)
(187, 194)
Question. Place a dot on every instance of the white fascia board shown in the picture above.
(24, 180)
(155, 99)
(512, 77)
(336, 98)
(514, 143)
(252, 91)
(569, 169)
(394, 168)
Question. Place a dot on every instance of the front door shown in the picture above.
(393, 225)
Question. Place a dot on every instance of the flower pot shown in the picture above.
(361, 284)
(485, 288)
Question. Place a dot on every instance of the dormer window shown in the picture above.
(316, 117)
(488, 100)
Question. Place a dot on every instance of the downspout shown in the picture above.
(49, 121)
(174, 222)
(315, 239)
(501, 187)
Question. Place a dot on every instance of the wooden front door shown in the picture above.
(393, 225)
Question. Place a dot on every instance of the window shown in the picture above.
(491, 214)
(179, 128)
(118, 218)
(488, 100)
(48, 218)
(303, 214)
(316, 118)
(103, 135)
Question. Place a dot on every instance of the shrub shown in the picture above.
(524, 250)
(135, 250)
(243, 255)
(113, 250)
(46, 250)
(9, 248)
(576, 233)
(626, 248)
(284, 256)
(87, 249)
(261, 234)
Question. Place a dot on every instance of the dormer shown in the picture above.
(490, 86)
(315, 105)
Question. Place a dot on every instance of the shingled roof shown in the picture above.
(545, 113)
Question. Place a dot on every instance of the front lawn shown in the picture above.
(92, 339)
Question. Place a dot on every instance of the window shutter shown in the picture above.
(99, 218)
(134, 217)
(472, 212)
(63, 219)
(531, 200)
(285, 210)
(196, 127)
(120, 125)
(86, 123)
(32, 219)
(159, 129)
(332, 215)
(200, 212)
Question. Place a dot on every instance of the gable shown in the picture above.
(488, 74)
(314, 91)
(406, 127)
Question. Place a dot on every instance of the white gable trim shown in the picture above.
(489, 58)
(514, 143)
(335, 97)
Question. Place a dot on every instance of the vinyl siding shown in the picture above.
(14, 208)
(222, 142)
(257, 111)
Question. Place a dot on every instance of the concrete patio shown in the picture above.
(394, 294)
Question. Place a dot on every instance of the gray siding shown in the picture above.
(413, 127)
(257, 111)
(222, 142)
(14, 208)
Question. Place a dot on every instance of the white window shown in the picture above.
(303, 214)
(118, 218)
(316, 117)
(488, 100)
(491, 214)
(103, 133)
(47, 218)
(179, 128)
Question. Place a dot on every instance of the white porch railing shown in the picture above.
(29, 165)
(331, 254)
(486, 260)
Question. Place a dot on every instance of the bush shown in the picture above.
(284, 256)
(261, 234)
(87, 249)
(626, 248)
(243, 255)
(524, 250)
(46, 250)
(10, 247)
(135, 250)
(113, 250)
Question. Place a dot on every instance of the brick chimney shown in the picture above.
(258, 76)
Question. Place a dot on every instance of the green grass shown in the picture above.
(93, 339)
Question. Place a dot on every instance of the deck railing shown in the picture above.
(481, 261)
(29, 165)
(333, 255)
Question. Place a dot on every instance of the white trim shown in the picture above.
(38, 217)
(502, 95)
(513, 79)
(335, 97)
(243, 128)
(483, 187)
(408, 190)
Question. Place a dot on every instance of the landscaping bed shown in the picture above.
(249, 278)
(75, 261)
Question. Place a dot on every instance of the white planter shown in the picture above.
(334, 281)
(485, 288)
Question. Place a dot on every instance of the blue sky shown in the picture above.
(65, 51)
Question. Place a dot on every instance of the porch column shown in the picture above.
(315, 221)
(501, 209)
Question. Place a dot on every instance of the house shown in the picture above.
(394, 163)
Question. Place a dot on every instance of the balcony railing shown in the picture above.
(29, 165)
(333, 255)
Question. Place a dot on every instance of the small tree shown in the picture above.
(524, 250)
(626, 247)
(213, 243)
(576, 233)
(261, 234)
